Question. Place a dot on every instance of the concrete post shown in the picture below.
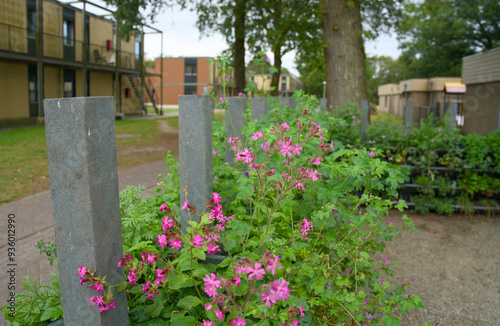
(195, 152)
(498, 118)
(259, 107)
(364, 119)
(452, 113)
(323, 104)
(81, 149)
(408, 115)
(237, 107)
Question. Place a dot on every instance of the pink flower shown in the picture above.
(237, 280)
(162, 240)
(257, 271)
(167, 223)
(391, 223)
(244, 156)
(219, 314)
(294, 323)
(211, 284)
(386, 261)
(265, 146)
(332, 145)
(318, 161)
(273, 264)
(132, 277)
(238, 322)
(285, 149)
(232, 139)
(302, 314)
(242, 269)
(185, 204)
(222, 100)
(280, 289)
(371, 154)
(313, 174)
(98, 287)
(240, 94)
(256, 135)
(285, 126)
(198, 241)
(208, 307)
(299, 185)
(268, 298)
(211, 249)
(296, 150)
(306, 227)
(146, 286)
(266, 59)
(214, 153)
(206, 323)
(175, 243)
(216, 199)
(163, 207)
(228, 77)
(82, 271)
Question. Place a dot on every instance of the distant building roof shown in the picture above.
(454, 88)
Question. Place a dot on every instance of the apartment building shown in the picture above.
(47, 51)
(287, 83)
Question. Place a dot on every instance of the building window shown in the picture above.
(68, 32)
(32, 80)
(189, 90)
(190, 69)
(31, 24)
(283, 83)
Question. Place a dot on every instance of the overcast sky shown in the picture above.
(181, 38)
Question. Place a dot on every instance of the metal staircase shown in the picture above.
(135, 80)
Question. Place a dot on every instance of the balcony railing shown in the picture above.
(15, 39)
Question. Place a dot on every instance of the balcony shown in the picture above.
(20, 43)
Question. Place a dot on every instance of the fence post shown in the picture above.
(81, 148)
(322, 105)
(498, 118)
(237, 106)
(195, 152)
(364, 119)
(259, 107)
(408, 115)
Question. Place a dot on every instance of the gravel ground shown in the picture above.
(454, 263)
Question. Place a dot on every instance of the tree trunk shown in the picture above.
(276, 76)
(344, 52)
(239, 45)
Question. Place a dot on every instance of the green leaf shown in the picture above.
(156, 308)
(179, 281)
(240, 228)
(189, 302)
(52, 314)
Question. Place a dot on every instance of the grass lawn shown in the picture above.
(389, 118)
(23, 155)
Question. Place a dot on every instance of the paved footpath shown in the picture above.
(34, 221)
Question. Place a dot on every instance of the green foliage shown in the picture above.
(38, 305)
(48, 248)
(436, 35)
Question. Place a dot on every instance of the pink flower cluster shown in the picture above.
(167, 224)
(306, 227)
(210, 236)
(270, 293)
(87, 276)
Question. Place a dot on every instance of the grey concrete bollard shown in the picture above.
(81, 148)
(195, 152)
(259, 107)
(498, 118)
(322, 105)
(364, 119)
(408, 116)
(237, 106)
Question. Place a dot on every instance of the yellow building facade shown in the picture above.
(47, 51)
